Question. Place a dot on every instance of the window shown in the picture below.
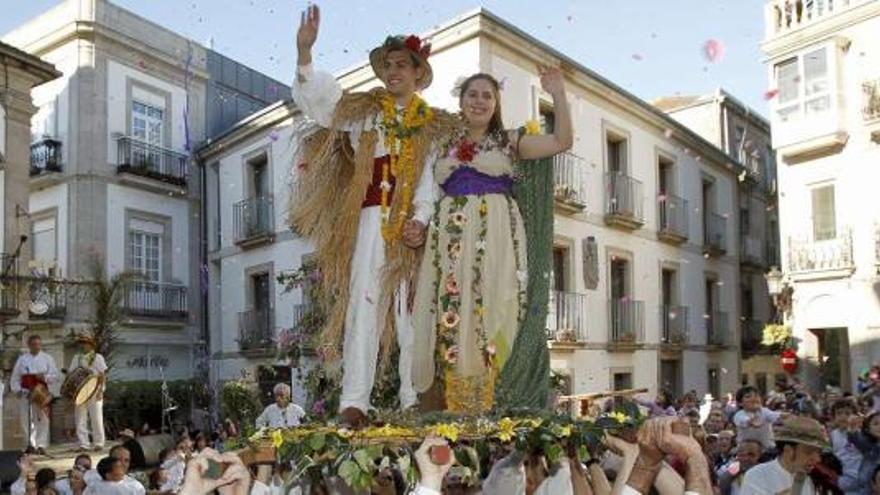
(260, 291)
(147, 123)
(665, 175)
(616, 149)
(824, 225)
(145, 240)
(622, 381)
(744, 224)
(619, 278)
(668, 287)
(737, 143)
(804, 85)
(710, 295)
(43, 242)
(547, 118)
(259, 171)
(746, 299)
(560, 257)
(714, 383)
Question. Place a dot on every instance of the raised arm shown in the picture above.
(541, 146)
(315, 93)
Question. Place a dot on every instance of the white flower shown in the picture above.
(481, 245)
(385, 186)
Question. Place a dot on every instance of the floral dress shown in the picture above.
(472, 280)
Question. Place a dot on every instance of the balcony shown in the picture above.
(717, 328)
(255, 330)
(626, 322)
(821, 259)
(45, 157)
(48, 300)
(623, 201)
(786, 16)
(772, 254)
(253, 221)
(566, 318)
(871, 108)
(751, 251)
(569, 182)
(752, 335)
(674, 325)
(155, 300)
(141, 159)
(714, 230)
(673, 219)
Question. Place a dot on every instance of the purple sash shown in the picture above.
(467, 181)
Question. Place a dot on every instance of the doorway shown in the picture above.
(832, 356)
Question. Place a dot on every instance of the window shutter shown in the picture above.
(787, 81)
(823, 213)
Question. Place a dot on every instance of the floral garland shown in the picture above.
(399, 144)
(319, 451)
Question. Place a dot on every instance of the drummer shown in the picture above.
(34, 366)
(90, 359)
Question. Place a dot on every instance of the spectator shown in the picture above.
(282, 413)
(867, 441)
(81, 464)
(753, 420)
(22, 485)
(799, 441)
(662, 405)
(45, 480)
(730, 476)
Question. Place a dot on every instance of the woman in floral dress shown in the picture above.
(472, 280)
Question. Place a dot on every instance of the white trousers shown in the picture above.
(365, 320)
(94, 409)
(34, 423)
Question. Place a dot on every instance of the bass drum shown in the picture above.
(80, 385)
(41, 397)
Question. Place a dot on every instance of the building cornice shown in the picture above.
(41, 70)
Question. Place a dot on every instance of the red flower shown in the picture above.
(467, 150)
(414, 43)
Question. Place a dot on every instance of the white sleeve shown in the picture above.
(100, 363)
(427, 193)
(52, 374)
(771, 416)
(423, 490)
(316, 93)
(15, 379)
(263, 419)
(559, 483)
(19, 487)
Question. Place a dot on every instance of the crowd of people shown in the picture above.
(790, 441)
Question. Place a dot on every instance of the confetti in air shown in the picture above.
(770, 94)
(273, 136)
(713, 50)
(637, 57)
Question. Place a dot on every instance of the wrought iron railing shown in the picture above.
(626, 322)
(623, 196)
(566, 318)
(155, 300)
(673, 214)
(830, 254)
(717, 328)
(569, 182)
(772, 253)
(46, 156)
(47, 299)
(714, 231)
(255, 330)
(252, 218)
(147, 160)
(674, 324)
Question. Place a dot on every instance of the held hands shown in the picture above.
(414, 234)
(309, 22)
(552, 80)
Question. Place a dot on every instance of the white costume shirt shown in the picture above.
(98, 366)
(27, 363)
(771, 478)
(128, 486)
(275, 417)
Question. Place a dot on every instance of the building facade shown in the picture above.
(24, 73)
(646, 256)
(822, 62)
(745, 136)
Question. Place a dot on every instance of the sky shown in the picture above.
(650, 48)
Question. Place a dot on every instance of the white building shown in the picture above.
(745, 136)
(110, 177)
(824, 69)
(645, 253)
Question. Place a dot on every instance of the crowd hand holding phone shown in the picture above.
(434, 458)
(209, 471)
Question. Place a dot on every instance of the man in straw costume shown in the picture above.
(364, 197)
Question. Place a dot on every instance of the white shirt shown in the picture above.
(128, 486)
(27, 363)
(98, 366)
(19, 487)
(771, 478)
(755, 426)
(275, 417)
(63, 487)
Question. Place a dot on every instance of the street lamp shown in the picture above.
(779, 289)
(774, 281)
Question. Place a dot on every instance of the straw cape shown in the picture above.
(325, 206)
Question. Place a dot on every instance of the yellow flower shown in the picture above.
(484, 208)
(506, 430)
(447, 431)
(533, 127)
(619, 417)
(565, 431)
(277, 439)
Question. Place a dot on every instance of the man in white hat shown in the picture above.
(89, 358)
(364, 199)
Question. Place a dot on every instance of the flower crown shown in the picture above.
(412, 43)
